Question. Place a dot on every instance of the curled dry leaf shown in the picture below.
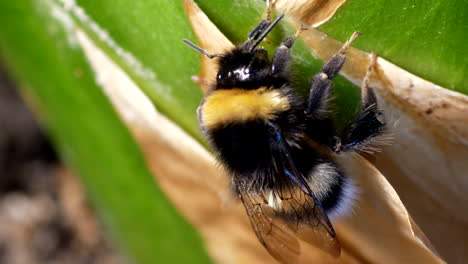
(426, 163)
(312, 13)
(213, 44)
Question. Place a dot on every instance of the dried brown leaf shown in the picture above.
(214, 43)
(310, 12)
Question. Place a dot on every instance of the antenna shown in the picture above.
(202, 51)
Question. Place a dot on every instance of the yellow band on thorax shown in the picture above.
(236, 105)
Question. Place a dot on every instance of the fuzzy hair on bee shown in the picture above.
(279, 149)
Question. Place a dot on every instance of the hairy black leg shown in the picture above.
(321, 86)
(361, 133)
(281, 58)
(319, 119)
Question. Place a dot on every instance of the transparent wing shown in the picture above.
(302, 209)
(307, 220)
(278, 233)
(274, 234)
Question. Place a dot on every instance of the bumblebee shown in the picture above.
(280, 150)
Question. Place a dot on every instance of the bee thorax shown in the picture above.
(226, 106)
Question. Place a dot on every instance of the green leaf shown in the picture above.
(152, 32)
(38, 45)
(426, 38)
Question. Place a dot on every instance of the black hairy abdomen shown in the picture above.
(243, 147)
(249, 151)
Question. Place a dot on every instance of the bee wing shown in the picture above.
(303, 210)
(278, 234)
(274, 234)
(307, 220)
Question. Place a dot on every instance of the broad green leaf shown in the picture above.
(152, 32)
(426, 38)
(38, 45)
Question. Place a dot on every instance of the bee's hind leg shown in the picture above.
(362, 133)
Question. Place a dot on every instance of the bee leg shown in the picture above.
(281, 58)
(319, 120)
(361, 133)
(321, 87)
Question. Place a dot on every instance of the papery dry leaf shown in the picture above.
(213, 43)
(310, 12)
(380, 230)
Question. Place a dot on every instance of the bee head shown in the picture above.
(247, 65)
(242, 67)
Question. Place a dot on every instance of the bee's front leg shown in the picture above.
(281, 58)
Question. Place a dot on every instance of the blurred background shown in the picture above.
(44, 217)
